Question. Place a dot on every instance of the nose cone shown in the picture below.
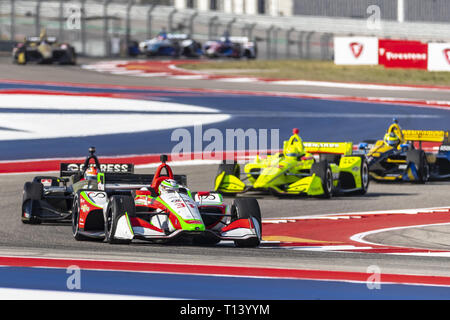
(266, 177)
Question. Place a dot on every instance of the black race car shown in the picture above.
(43, 50)
(51, 199)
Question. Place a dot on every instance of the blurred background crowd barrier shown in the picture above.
(302, 29)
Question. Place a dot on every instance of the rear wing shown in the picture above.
(345, 148)
(426, 135)
(68, 169)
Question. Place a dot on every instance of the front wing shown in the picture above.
(129, 228)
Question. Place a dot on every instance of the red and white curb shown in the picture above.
(348, 232)
(171, 69)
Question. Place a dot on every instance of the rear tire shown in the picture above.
(244, 208)
(118, 206)
(419, 159)
(323, 171)
(365, 178)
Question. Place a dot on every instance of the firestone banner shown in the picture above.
(403, 54)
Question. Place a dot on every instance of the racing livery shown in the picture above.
(310, 168)
(400, 156)
(43, 50)
(230, 47)
(161, 210)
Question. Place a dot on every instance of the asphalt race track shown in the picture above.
(362, 121)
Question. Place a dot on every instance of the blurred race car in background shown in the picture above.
(43, 50)
(230, 47)
(400, 156)
(310, 168)
(170, 45)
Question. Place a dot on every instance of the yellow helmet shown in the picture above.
(391, 139)
(294, 147)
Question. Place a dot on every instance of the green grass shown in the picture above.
(323, 71)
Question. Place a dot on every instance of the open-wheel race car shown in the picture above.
(230, 47)
(43, 50)
(170, 45)
(401, 155)
(160, 208)
(316, 169)
(50, 198)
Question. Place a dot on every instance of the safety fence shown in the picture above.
(434, 11)
(105, 28)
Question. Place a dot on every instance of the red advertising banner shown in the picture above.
(403, 54)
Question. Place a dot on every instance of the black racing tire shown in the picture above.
(365, 177)
(244, 208)
(117, 207)
(32, 191)
(323, 171)
(419, 159)
(75, 220)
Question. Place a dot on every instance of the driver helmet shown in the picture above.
(91, 173)
(391, 139)
(294, 147)
(169, 185)
(293, 151)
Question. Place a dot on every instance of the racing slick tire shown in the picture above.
(75, 219)
(117, 207)
(244, 208)
(32, 191)
(323, 171)
(365, 177)
(419, 159)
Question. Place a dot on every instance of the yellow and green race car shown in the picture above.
(302, 168)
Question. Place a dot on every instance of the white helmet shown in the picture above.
(169, 185)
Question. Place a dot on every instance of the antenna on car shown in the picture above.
(163, 158)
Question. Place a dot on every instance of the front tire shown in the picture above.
(419, 159)
(365, 178)
(118, 207)
(32, 192)
(323, 171)
(244, 208)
